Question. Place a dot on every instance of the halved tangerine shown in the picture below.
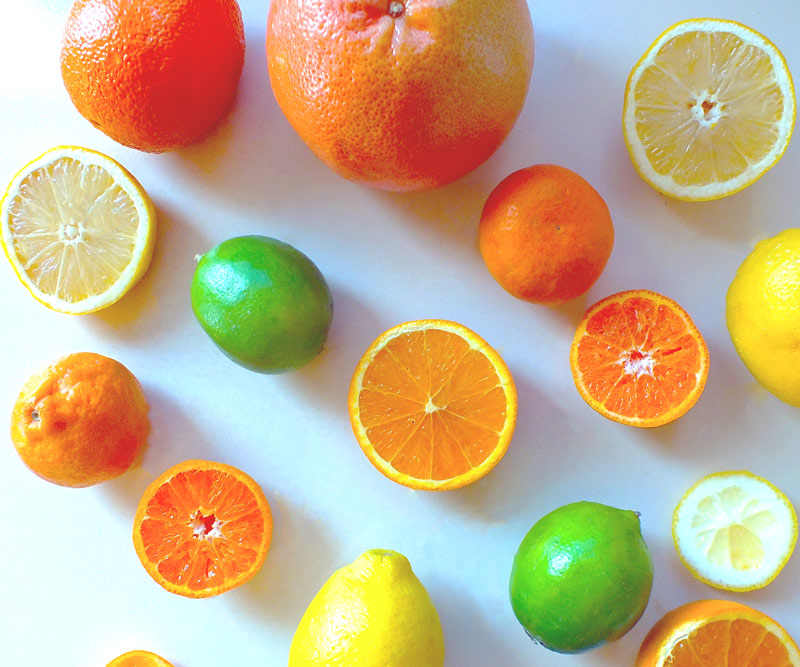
(139, 658)
(202, 528)
(432, 405)
(638, 358)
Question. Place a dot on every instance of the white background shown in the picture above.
(73, 592)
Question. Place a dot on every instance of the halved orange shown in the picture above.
(712, 633)
(432, 405)
(202, 528)
(638, 358)
(139, 658)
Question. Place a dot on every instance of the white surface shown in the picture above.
(73, 591)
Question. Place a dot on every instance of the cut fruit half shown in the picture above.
(139, 659)
(202, 528)
(713, 633)
(77, 228)
(432, 405)
(734, 530)
(637, 358)
(709, 108)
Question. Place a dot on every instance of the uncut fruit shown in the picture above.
(545, 234)
(154, 75)
(265, 304)
(374, 612)
(581, 577)
(763, 314)
(401, 94)
(80, 421)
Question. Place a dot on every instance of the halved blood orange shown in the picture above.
(139, 658)
(202, 528)
(432, 405)
(712, 633)
(638, 358)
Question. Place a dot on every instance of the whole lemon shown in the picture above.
(581, 577)
(763, 314)
(371, 613)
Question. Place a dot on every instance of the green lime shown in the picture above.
(581, 577)
(264, 303)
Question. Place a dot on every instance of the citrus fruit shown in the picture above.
(401, 94)
(763, 314)
(139, 659)
(545, 234)
(734, 530)
(709, 633)
(373, 612)
(154, 75)
(77, 228)
(202, 528)
(432, 405)
(264, 303)
(709, 109)
(581, 577)
(80, 421)
(637, 358)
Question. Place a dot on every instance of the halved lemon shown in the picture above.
(709, 109)
(734, 531)
(77, 228)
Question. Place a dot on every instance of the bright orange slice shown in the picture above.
(637, 358)
(432, 405)
(712, 633)
(202, 528)
(139, 659)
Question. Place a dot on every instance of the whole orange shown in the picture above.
(545, 234)
(401, 94)
(153, 74)
(80, 421)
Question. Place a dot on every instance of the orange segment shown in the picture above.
(202, 528)
(712, 633)
(637, 358)
(432, 405)
(139, 659)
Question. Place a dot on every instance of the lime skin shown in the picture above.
(581, 577)
(264, 303)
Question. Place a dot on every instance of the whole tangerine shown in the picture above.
(80, 421)
(545, 234)
(154, 75)
(401, 94)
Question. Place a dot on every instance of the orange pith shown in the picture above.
(202, 528)
(139, 659)
(710, 633)
(432, 405)
(637, 358)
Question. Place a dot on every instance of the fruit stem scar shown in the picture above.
(35, 415)
(396, 9)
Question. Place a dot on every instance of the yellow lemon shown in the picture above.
(371, 613)
(763, 313)
(709, 108)
(734, 530)
(77, 228)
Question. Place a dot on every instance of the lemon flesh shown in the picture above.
(763, 314)
(709, 108)
(734, 531)
(371, 613)
(77, 228)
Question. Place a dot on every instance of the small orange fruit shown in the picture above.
(545, 234)
(80, 421)
(139, 659)
(153, 74)
(432, 405)
(401, 94)
(637, 358)
(710, 633)
(202, 528)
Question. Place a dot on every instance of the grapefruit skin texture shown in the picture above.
(154, 75)
(404, 95)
